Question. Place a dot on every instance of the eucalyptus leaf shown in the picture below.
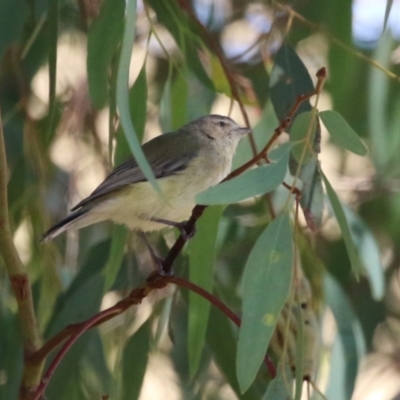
(123, 94)
(266, 285)
(202, 251)
(251, 183)
(351, 341)
(342, 133)
(104, 36)
(344, 227)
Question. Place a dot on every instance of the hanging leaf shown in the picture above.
(202, 249)
(342, 133)
(350, 347)
(123, 94)
(266, 284)
(252, 183)
(344, 227)
(104, 36)
(302, 136)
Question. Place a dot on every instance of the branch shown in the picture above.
(19, 281)
(136, 296)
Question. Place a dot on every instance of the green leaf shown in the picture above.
(344, 227)
(135, 358)
(369, 252)
(123, 95)
(279, 387)
(138, 112)
(303, 131)
(251, 183)
(351, 342)
(289, 79)
(312, 195)
(222, 340)
(104, 36)
(266, 284)
(202, 251)
(389, 4)
(342, 133)
(119, 235)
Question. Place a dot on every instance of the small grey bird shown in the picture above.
(185, 163)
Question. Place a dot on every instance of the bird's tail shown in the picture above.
(78, 219)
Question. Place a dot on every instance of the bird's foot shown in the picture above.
(158, 261)
(187, 231)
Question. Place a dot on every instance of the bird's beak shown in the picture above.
(243, 131)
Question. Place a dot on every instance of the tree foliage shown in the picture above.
(283, 284)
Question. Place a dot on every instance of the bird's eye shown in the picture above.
(222, 124)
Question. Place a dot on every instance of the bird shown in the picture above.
(185, 162)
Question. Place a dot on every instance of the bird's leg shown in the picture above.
(156, 259)
(186, 233)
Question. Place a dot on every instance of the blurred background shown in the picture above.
(63, 137)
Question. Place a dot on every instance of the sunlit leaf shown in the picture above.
(202, 249)
(344, 227)
(251, 183)
(342, 133)
(266, 284)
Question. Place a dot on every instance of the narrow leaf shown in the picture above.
(266, 284)
(389, 4)
(351, 341)
(135, 358)
(138, 112)
(369, 253)
(252, 183)
(201, 262)
(104, 36)
(303, 133)
(123, 94)
(344, 227)
(342, 133)
(112, 267)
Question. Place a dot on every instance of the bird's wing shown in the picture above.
(129, 173)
